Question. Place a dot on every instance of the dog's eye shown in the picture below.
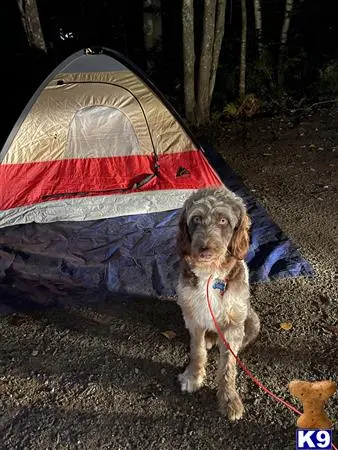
(196, 219)
(223, 221)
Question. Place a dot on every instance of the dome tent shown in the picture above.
(92, 177)
(95, 128)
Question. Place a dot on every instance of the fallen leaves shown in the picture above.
(169, 334)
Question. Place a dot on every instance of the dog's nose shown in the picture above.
(205, 253)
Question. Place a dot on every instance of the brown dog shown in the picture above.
(212, 242)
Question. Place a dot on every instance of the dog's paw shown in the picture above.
(190, 382)
(233, 408)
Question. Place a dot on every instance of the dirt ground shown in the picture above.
(105, 377)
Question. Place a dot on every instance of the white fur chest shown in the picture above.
(194, 304)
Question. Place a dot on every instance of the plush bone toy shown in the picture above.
(313, 395)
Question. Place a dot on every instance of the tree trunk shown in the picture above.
(258, 26)
(197, 104)
(283, 41)
(189, 59)
(242, 67)
(206, 62)
(219, 34)
(152, 30)
(31, 23)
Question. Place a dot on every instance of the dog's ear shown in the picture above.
(240, 241)
(183, 240)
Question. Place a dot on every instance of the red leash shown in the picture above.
(246, 370)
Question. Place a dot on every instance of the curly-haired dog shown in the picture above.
(212, 241)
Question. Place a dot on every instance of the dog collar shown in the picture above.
(220, 285)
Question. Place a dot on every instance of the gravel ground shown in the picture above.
(104, 377)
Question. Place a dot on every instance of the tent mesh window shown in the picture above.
(101, 131)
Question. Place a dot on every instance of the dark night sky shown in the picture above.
(118, 25)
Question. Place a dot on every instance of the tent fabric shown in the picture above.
(25, 188)
(98, 131)
(93, 134)
(60, 263)
(92, 179)
(157, 130)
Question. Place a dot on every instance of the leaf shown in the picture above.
(286, 325)
(230, 110)
(169, 334)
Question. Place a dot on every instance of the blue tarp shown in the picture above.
(58, 263)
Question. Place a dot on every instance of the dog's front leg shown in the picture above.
(192, 378)
(229, 400)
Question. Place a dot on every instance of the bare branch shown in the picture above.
(189, 59)
(21, 7)
(152, 30)
(204, 99)
(31, 23)
(283, 41)
(286, 23)
(219, 34)
(242, 68)
(258, 26)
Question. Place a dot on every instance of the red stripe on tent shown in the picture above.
(30, 183)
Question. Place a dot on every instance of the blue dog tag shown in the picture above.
(220, 285)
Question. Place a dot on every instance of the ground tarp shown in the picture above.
(58, 263)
